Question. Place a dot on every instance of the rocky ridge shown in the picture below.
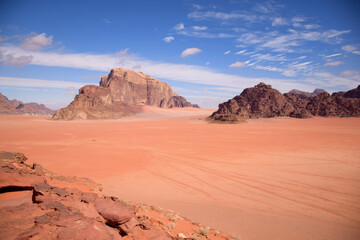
(38, 204)
(16, 107)
(121, 93)
(262, 101)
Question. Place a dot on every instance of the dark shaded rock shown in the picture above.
(262, 101)
(326, 105)
(121, 93)
(354, 93)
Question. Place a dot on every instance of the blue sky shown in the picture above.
(208, 51)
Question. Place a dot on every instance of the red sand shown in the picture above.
(264, 179)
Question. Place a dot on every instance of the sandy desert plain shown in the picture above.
(278, 178)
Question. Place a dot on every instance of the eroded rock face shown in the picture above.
(58, 209)
(262, 101)
(121, 93)
(16, 107)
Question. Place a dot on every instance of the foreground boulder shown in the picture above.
(121, 93)
(262, 101)
(49, 206)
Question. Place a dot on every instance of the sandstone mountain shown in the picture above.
(262, 101)
(16, 107)
(38, 204)
(121, 93)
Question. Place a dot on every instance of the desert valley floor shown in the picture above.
(275, 178)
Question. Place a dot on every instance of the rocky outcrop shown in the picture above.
(16, 107)
(120, 94)
(49, 206)
(304, 94)
(262, 101)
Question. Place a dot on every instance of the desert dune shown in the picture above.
(279, 178)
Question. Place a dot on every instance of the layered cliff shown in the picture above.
(262, 101)
(121, 93)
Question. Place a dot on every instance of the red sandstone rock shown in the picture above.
(121, 93)
(60, 211)
(115, 213)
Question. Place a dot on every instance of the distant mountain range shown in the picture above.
(16, 107)
(262, 101)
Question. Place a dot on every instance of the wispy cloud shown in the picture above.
(179, 27)
(279, 22)
(199, 28)
(227, 52)
(190, 51)
(10, 59)
(333, 55)
(202, 34)
(36, 41)
(168, 39)
(222, 16)
(31, 82)
(351, 48)
(175, 72)
(334, 64)
(237, 65)
(240, 52)
(107, 21)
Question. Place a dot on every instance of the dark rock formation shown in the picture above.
(16, 107)
(120, 94)
(54, 207)
(262, 101)
(303, 94)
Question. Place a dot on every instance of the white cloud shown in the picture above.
(168, 39)
(279, 22)
(350, 73)
(289, 73)
(311, 26)
(240, 52)
(302, 57)
(268, 68)
(237, 65)
(221, 16)
(207, 63)
(197, 6)
(165, 71)
(227, 52)
(284, 43)
(249, 38)
(190, 51)
(19, 61)
(298, 19)
(122, 52)
(199, 28)
(30, 82)
(269, 57)
(204, 34)
(107, 21)
(351, 49)
(179, 27)
(333, 64)
(333, 55)
(35, 42)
